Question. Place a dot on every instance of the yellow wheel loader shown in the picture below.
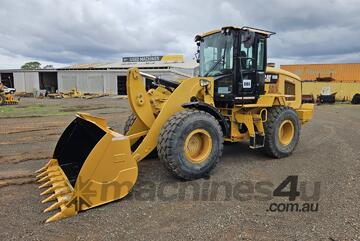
(235, 98)
(6, 98)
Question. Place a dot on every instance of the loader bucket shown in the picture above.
(91, 165)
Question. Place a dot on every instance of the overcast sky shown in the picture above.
(63, 32)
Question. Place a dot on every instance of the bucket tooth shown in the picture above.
(56, 195)
(52, 182)
(54, 174)
(54, 206)
(42, 174)
(48, 171)
(50, 163)
(56, 217)
(50, 198)
(64, 213)
(47, 184)
(49, 190)
(42, 169)
(43, 179)
(56, 186)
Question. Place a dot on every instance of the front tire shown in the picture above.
(282, 131)
(190, 144)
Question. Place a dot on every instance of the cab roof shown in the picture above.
(256, 30)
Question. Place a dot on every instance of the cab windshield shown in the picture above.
(216, 54)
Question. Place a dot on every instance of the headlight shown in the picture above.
(204, 82)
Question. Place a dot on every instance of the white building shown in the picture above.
(107, 78)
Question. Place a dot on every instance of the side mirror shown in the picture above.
(198, 38)
(248, 39)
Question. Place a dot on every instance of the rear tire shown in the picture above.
(2, 99)
(282, 131)
(190, 144)
(129, 122)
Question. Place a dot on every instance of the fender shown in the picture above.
(212, 111)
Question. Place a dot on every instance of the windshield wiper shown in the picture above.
(215, 65)
(222, 59)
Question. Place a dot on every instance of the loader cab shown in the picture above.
(236, 58)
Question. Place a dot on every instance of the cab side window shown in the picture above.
(246, 55)
(261, 55)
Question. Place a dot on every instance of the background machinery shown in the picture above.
(6, 95)
(235, 98)
(356, 99)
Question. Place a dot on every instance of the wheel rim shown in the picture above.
(286, 132)
(198, 146)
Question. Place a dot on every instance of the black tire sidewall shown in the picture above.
(172, 139)
(2, 99)
(129, 122)
(183, 131)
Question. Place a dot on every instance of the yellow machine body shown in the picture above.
(94, 165)
(7, 99)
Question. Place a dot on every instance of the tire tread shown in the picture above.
(270, 146)
(166, 142)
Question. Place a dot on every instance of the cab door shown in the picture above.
(251, 65)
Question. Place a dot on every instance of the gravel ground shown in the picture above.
(328, 153)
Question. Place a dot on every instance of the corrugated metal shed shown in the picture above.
(339, 72)
(125, 65)
(86, 66)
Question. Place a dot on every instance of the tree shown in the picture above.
(31, 65)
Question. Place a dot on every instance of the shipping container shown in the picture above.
(325, 72)
(344, 91)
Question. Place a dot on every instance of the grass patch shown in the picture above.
(36, 110)
(40, 110)
(82, 107)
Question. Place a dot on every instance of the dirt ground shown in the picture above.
(328, 153)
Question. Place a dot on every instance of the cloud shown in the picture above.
(66, 32)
